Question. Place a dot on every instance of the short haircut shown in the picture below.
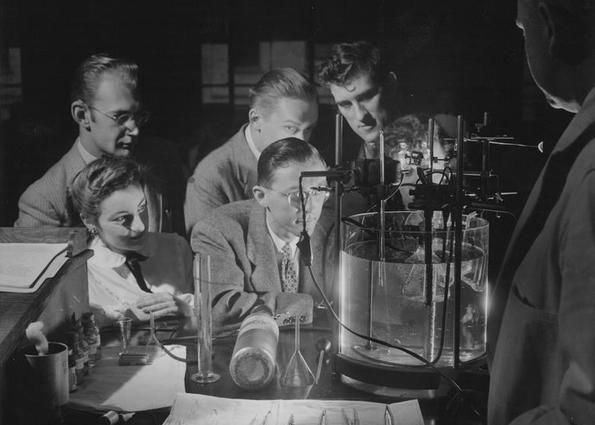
(88, 75)
(349, 61)
(283, 153)
(281, 83)
(99, 179)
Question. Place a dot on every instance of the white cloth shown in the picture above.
(131, 388)
(250, 141)
(113, 290)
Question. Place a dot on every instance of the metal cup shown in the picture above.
(40, 380)
(49, 374)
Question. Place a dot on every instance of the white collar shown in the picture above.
(250, 141)
(87, 157)
(103, 256)
(278, 242)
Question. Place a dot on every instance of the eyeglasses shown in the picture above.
(140, 118)
(293, 198)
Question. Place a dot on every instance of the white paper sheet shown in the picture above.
(131, 388)
(198, 409)
(22, 263)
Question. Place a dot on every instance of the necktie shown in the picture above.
(133, 264)
(288, 271)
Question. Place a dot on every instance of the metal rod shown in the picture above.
(381, 142)
(381, 204)
(485, 167)
(428, 256)
(338, 139)
(458, 222)
(430, 137)
(370, 304)
(495, 141)
(336, 284)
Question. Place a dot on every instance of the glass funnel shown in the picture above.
(394, 300)
(297, 373)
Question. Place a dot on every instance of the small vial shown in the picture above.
(92, 337)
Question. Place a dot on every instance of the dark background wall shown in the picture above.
(458, 56)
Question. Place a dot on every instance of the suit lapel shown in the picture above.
(261, 253)
(542, 200)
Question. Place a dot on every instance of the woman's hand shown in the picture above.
(163, 304)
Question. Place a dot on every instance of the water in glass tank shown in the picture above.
(398, 312)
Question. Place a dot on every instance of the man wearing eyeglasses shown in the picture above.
(253, 243)
(106, 107)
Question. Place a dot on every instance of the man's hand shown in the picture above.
(234, 305)
(162, 304)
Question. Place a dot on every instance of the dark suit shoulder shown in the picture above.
(224, 156)
(59, 176)
(166, 241)
(238, 211)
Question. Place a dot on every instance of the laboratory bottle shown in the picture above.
(253, 361)
(83, 346)
(92, 337)
(79, 360)
(71, 342)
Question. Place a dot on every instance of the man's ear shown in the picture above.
(254, 118)
(80, 114)
(566, 34)
(390, 84)
(260, 195)
(391, 78)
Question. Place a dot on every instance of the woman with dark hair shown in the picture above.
(132, 272)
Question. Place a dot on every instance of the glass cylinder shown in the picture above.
(202, 305)
(386, 292)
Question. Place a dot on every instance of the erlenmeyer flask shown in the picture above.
(297, 373)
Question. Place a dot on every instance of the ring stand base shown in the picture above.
(209, 378)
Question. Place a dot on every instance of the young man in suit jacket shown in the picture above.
(253, 244)
(282, 104)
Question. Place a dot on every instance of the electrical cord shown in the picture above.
(370, 338)
(173, 356)
(49, 263)
(444, 309)
(393, 193)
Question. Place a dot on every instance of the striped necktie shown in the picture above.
(288, 270)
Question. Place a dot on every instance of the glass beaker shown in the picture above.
(394, 300)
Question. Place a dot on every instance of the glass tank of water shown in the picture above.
(388, 299)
